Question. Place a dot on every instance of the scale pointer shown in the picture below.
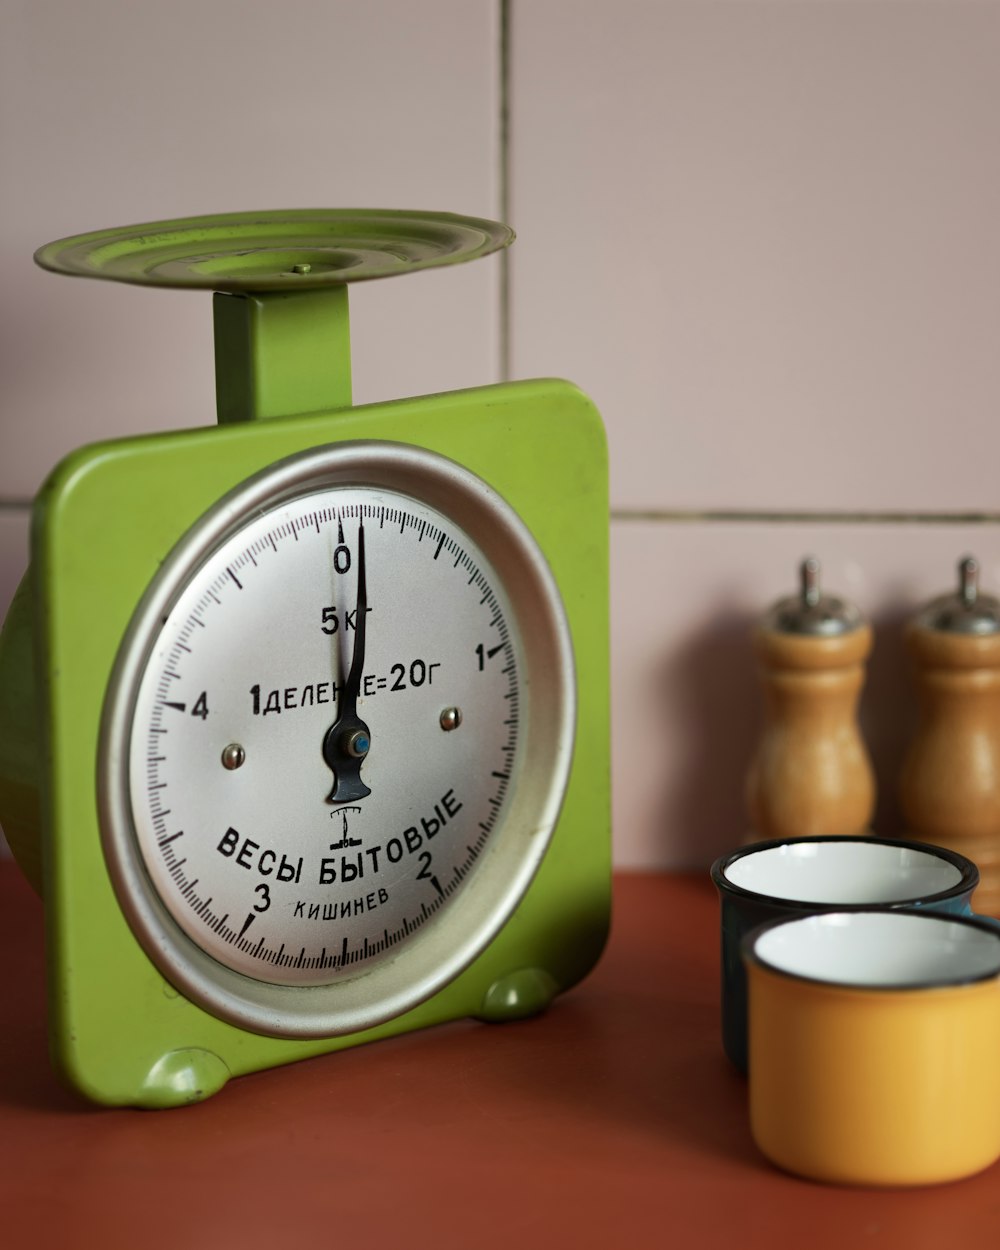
(348, 740)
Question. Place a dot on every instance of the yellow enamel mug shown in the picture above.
(875, 1045)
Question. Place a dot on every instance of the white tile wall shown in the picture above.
(121, 111)
(761, 233)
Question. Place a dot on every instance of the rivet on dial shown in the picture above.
(357, 744)
(233, 756)
(451, 718)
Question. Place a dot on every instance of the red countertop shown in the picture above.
(611, 1121)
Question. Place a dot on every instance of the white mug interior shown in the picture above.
(848, 873)
(886, 949)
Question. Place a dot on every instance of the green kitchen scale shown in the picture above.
(304, 725)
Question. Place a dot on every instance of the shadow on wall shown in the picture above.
(707, 690)
(710, 687)
(888, 716)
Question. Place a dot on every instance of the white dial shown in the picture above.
(326, 710)
(231, 792)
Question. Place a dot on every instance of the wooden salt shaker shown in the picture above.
(812, 774)
(950, 781)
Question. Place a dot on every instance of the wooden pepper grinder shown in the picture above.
(812, 774)
(950, 781)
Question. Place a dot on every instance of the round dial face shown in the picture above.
(337, 739)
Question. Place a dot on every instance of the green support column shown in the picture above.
(281, 354)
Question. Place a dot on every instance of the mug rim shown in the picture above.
(968, 879)
(750, 956)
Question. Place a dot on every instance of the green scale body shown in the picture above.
(146, 1007)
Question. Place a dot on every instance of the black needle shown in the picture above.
(347, 741)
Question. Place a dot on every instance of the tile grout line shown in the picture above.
(730, 516)
(504, 188)
(793, 517)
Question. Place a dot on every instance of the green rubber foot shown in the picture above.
(183, 1076)
(523, 993)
